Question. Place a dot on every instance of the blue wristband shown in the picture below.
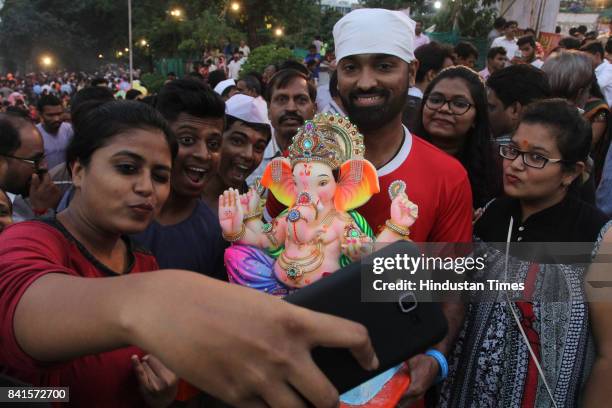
(441, 362)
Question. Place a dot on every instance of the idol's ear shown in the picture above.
(278, 177)
(358, 182)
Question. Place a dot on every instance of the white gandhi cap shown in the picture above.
(375, 31)
(247, 109)
(223, 85)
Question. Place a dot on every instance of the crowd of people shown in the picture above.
(94, 185)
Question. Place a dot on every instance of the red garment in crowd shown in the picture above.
(29, 250)
(528, 321)
(435, 181)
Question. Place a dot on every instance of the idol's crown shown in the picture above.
(327, 138)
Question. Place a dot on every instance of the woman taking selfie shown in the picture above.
(77, 307)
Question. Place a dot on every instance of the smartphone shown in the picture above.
(398, 330)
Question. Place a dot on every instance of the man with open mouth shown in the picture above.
(247, 133)
(186, 234)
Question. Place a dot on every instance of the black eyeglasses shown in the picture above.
(457, 106)
(33, 162)
(535, 160)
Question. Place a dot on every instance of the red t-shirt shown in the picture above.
(29, 250)
(435, 181)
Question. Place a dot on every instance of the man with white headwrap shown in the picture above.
(376, 63)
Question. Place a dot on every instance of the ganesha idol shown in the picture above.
(322, 181)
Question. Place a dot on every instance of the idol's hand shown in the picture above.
(230, 212)
(355, 248)
(403, 211)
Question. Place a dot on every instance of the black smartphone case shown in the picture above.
(399, 330)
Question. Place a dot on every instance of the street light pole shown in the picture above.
(130, 39)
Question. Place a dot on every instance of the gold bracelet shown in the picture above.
(234, 237)
(404, 232)
(250, 216)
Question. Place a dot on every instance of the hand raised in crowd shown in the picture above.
(43, 193)
(158, 385)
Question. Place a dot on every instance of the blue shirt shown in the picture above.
(313, 57)
(56, 144)
(194, 244)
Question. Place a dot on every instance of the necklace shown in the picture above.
(296, 267)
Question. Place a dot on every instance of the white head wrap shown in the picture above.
(223, 85)
(248, 109)
(375, 31)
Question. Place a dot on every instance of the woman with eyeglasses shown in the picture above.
(492, 365)
(454, 118)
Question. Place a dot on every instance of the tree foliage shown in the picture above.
(76, 32)
(472, 18)
(153, 81)
(265, 55)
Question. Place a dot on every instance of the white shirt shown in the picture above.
(493, 34)
(233, 69)
(420, 39)
(333, 108)
(603, 72)
(537, 63)
(509, 45)
(323, 97)
(416, 92)
(245, 50)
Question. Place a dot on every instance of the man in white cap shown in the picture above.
(376, 63)
(226, 88)
(247, 133)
